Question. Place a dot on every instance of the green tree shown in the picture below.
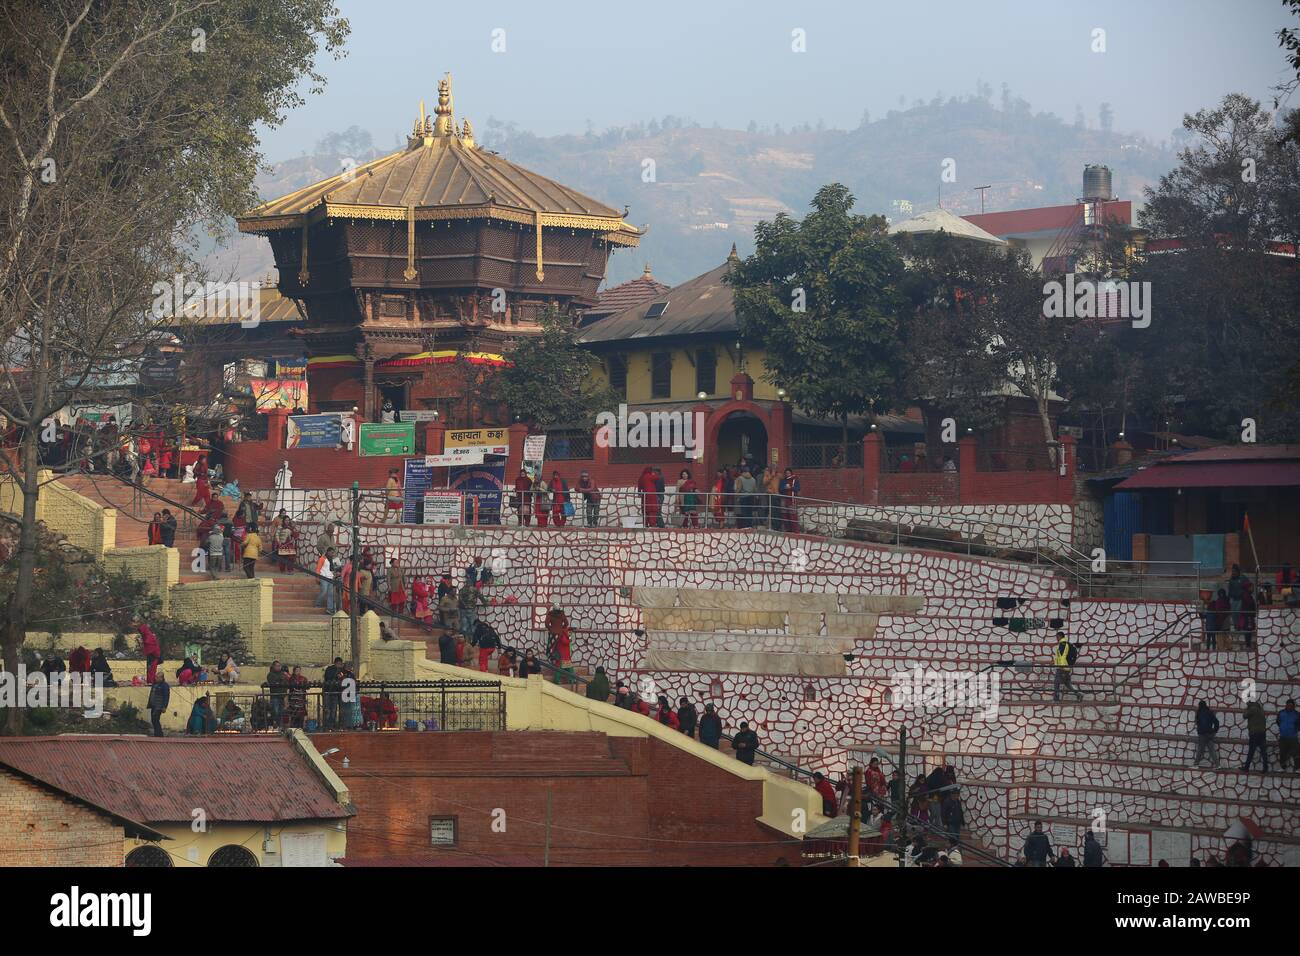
(1223, 304)
(124, 127)
(821, 297)
(549, 382)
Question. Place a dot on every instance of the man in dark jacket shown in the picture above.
(710, 727)
(745, 743)
(1207, 725)
(331, 689)
(1038, 849)
(687, 717)
(168, 529)
(447, 647)
(1065, 859)
(952, 815)
(1093, 855)
(1256, 734)
(160, 695)
(598, 687)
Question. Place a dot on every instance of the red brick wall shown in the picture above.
(38, 828)
(613, 801)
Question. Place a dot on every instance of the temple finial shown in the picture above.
(467, 135)
(734, 256)
(445, 124)
(646, 274)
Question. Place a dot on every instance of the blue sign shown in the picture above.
(314, 431)
(483, 483)
(419, 479)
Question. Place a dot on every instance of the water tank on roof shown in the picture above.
(1096, 183)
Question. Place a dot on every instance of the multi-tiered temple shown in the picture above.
(443, 247)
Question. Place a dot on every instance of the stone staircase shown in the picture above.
(133, 516)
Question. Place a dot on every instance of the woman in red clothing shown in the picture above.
(155, 529)
(420, 591)
(718, 498)
(202, 490)
(559, 498)
(666, 715)
(649, 490)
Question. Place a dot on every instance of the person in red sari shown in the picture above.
(649, 489)
(717, 500)
(155, 529)
(559, 498)
(202, 490)
(151, 650)
(420, 591)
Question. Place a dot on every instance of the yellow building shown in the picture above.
(238, 800)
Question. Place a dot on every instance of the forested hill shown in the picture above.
(711, 185)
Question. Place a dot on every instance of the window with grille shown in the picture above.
(661, 374)
(706, 371)
(618, 375)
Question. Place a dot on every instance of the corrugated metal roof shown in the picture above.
(1248, 452)
(1021, 222)
(699, 306)
(442, 172)
(1180, 473)
(253, 779)
(937, 220)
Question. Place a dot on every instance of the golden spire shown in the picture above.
(734, 256)
(467, 135)
(646, 274)
(445, 124)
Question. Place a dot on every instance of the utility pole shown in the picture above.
(900, 810)
(855, 822)
(353, 610)
(981, 189)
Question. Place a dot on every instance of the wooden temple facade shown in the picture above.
(398, 267)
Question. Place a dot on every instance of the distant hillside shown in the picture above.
(712, 185)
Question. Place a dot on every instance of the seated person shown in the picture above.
(228, 671)
(232, 717)
(202, 720)
(187, 673)
(99, 665)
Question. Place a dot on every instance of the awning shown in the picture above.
(332, 361)
(1242, 474)
(443, 357)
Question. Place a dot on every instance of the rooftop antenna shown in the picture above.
(980, 190)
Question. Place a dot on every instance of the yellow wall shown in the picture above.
(80, 520)
(683, 377)
(188, 848)
(535, 704)
(157, 566)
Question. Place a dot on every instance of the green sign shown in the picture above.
(395, 439)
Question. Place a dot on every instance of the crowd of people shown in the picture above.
(742, 496)
(1287, 722)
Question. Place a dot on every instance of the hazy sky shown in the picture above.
(567, 62)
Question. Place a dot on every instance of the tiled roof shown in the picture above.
(260, 779)
(627, 294)
(703, 305)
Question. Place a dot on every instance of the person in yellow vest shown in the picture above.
(252, 550)
(1063, 657)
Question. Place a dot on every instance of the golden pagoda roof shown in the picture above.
(441, 174)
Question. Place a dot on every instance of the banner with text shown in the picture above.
(397, 438)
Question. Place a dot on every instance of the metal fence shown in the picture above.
(826, 455)
(372, 706)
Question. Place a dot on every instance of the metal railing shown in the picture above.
(374, 706)
(817, 455)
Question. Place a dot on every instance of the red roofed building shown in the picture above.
(625, 295)
(248, 800)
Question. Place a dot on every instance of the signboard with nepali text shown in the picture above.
(397, 438)
(494, 441)
(443, 507)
